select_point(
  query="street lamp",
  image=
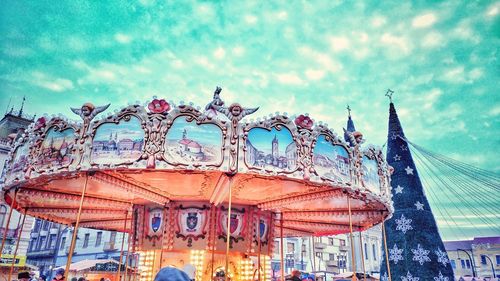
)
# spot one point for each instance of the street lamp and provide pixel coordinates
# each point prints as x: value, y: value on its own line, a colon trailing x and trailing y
x: 491, y: 262
x: 470, y: 259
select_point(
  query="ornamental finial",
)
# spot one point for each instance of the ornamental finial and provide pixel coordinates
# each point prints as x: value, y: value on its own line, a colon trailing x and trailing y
x: 389, y: 94
x: 348, y: 110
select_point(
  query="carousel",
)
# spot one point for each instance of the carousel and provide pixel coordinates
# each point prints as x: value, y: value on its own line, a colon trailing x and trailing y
x: 197, y: 187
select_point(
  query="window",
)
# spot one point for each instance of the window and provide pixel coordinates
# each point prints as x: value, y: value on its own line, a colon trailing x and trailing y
x: 330, y: 241
x: 86, y: 240
x: 331, y: 257
x: 462, y: 262
x: 37, y: 225
x: 453, y: 264
x: 467, y: 263
x: 45, y: 225
x: 342, y: 242
x: 366, y: 252
x: 483, y: 259
x: 498, y: 259
x: 3, y: 213
x: 112, y: 237
x: 52, y: 241
x: 32, y: 244
x: 98, y: 239
x: 63, y: 243
x: 290, y: 247
x: 41, y: 242
x: 374, y: 251
x: 319, y: 255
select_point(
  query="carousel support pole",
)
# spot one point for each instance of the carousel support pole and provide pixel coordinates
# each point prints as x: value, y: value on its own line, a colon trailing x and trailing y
x: 75, y: 230
x: 12, y: 203
x: 260, y: 247
x: 17, y: 244
x: 386, y: 252
x: 117, y: 277
x: 354, y: 278
x: 228, y: 236
x: 362, y: 256
x: 214, y: 233
x: 282, y: 260
x: 311, y: 244
x: 128, y: 251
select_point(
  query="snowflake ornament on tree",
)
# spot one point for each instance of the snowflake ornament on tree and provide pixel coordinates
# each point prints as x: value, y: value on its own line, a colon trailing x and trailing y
x: 441, y: 278
x: 403, y: 224
x: 442, y: 257
x: 395, y: 254
x: 409, y: 277
x: 420, y: 255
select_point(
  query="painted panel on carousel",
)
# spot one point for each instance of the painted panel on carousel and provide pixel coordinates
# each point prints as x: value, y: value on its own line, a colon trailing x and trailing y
x: 274, y: 149
x: 261, y: 226
x: 154, y: 217
x: 236, y: 225
x: 191, y: 223
x: 331, y: 161
x: 371, y: 178
x: 57, y: 148
x: 188, y: 143
x: 118, y: 143
x: 20, y: 161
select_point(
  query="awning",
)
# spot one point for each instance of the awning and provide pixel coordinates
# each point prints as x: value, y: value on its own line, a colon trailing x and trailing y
x: 86, y: 264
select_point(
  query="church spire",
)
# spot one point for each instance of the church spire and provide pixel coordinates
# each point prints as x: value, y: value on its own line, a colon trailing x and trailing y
x: 22, y: 107
x: 416, y: 251
x: 350, y: 125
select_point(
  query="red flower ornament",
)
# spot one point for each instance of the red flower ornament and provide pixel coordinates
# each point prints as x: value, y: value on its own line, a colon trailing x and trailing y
x: 40, y: 123
x: 304, y: 122
x: 158, y: 106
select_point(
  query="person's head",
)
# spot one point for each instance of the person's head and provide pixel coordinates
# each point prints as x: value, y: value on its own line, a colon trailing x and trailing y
x: 74, y: 279
x: 102, y: 279
x: 42, y: 277
x: 81, y: 279
x: 23, y: 276
x: 296, y: 272
x: 171, y: 274
x: 59, y: 274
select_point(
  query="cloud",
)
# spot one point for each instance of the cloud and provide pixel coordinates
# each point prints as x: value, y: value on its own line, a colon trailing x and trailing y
x: 122, y: 38
x: 238, y: 51
x: 219, y: 53
x: 423, y: 21
x: 314, y: 74
x: 339, y: 43
x: 432, y: 39
x: 51, y: 83
x: 250, y: 19
x: 322, y: 59
x: 454, y: 75
x: 493, y: 10
x: 475, y: 74
x: 289, y: 79
x: 398, y: 42
x: 378, y: 21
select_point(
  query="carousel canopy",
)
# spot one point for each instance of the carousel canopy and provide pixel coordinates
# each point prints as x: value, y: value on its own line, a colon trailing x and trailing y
x: 162, y: 152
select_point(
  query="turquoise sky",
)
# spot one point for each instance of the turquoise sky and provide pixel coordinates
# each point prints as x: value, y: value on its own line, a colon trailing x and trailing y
x: 441, y: 59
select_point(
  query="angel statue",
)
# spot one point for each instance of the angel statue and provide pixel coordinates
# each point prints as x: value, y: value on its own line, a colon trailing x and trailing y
x: 216, y: 101
x: 88, y: 111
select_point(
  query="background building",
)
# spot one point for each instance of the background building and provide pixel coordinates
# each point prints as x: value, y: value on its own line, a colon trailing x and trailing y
x: 481, y: 254
x: 372, y: 250
x: 11, y: 126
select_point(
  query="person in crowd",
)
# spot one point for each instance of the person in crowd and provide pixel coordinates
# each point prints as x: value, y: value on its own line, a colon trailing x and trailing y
x: 81, y: 279
x: 59, y: 275
x: 102, y: 279
x: 295, y: 275
x: 42, y: 278
x: 74, y: 279
x: 23, y: 276
x: 171, y: 274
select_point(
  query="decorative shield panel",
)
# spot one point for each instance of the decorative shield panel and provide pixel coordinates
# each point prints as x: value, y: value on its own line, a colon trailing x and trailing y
x: 236, y: 223
x: 118, y: 143
x: 188, y: 143
x: 261, y: 226
x: 371, y: 178
x: 57, y: 148
x: 154, y: 223
x: 331, y: 161
x: 191, y: 223
x: 274, y: 149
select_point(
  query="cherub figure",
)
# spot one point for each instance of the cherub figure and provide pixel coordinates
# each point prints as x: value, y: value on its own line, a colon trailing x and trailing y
x: 88, y: 111
x: 235, y: 112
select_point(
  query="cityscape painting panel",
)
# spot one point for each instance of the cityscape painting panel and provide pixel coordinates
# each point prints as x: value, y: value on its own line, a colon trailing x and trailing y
x: 274, y: 149
x: 20, y: 159
x: 331, y: 161
x: 371, y: 178
x: 188, y: 143
x: 118, y: 143
x: 57, y: 148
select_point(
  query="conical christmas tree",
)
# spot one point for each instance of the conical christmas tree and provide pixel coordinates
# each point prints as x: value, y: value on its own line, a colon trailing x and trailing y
x: 416, y: 251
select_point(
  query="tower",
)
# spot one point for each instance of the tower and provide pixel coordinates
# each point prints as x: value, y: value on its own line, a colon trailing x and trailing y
x: 416, y: 251
x: 184, y: 134
x: 275, y: 151
x: 350, y: 126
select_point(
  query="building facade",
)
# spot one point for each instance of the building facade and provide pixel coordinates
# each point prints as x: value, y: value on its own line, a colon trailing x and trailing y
x: 50, y: 243
x: 479, y: 256
x: 12, y: 125
x: 369, y: 253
